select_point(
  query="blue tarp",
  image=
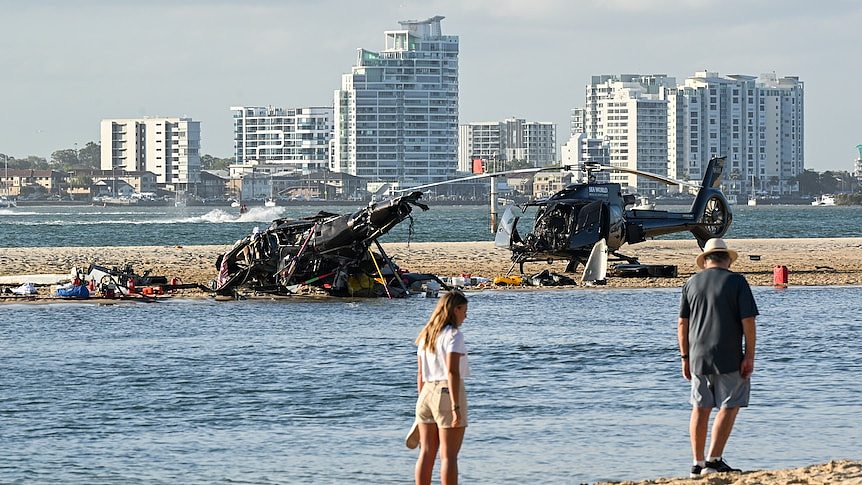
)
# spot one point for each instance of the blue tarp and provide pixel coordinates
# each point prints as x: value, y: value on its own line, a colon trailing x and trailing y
x: 74, y: 291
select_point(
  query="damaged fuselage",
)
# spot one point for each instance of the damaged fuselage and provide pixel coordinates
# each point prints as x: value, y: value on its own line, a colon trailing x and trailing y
x: 328, y: 251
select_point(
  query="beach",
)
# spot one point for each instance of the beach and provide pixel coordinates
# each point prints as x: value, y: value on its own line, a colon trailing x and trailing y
x: 838, y: 471
x: 809, y: 261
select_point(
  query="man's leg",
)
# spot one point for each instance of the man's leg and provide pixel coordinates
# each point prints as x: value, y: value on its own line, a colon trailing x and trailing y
x: 721, y: 429
x: 697, y: 429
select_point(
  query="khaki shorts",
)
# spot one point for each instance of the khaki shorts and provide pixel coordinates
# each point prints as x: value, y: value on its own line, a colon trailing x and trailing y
x: 435, y: 406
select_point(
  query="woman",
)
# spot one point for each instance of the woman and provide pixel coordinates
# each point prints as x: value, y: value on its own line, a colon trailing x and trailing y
x: 441, y: 409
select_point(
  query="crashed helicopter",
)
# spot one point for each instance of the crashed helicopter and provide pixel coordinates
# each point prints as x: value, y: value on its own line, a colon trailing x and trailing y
x: 587, y: 222
x: 326, y: 251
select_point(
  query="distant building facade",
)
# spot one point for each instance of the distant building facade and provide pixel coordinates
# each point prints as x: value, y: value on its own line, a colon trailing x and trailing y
x: 581, y: 150
x: 758, y: 124
x: 510, y: 140
x: 167, y: 147
x: 630, y: 112
x: 297, y: 138
x: 396, y: 114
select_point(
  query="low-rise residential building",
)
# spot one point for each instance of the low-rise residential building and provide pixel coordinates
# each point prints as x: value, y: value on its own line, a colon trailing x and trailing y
x: 546, y: 184
x: 19, y: 182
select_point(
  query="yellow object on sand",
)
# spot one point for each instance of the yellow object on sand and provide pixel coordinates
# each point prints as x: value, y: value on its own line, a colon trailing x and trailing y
x: 508, y: 280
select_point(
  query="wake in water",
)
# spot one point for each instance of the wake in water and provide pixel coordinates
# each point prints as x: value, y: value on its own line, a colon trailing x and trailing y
x: 255, y: 214
x: 215, y: 216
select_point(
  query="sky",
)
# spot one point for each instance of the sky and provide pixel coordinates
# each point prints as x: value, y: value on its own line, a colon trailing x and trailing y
x: 67, y: 64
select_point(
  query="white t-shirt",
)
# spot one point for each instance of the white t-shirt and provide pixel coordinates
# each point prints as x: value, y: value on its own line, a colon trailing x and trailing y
x: 434, y: 366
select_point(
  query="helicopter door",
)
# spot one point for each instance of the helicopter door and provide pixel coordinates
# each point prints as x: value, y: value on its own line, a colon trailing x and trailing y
x: 591, y: 226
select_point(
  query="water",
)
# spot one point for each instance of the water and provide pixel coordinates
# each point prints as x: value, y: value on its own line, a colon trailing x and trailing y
x: 154, y: 226
x: 567, y: 386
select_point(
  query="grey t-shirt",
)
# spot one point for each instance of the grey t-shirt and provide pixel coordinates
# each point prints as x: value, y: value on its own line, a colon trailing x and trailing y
x: 715, y: 301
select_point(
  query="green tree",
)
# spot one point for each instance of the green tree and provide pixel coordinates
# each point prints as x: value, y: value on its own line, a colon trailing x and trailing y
x: 209, y: 162
x: 64, y: 159
x: 90, y: 156
x: 809, y: 182
x: 84, y: 182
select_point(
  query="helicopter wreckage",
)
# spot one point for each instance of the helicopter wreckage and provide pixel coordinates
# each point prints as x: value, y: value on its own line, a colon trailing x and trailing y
x: 326, y: 252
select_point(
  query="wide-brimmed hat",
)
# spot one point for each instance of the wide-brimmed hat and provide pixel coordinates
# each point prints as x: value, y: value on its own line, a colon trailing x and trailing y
x: 715, y: 245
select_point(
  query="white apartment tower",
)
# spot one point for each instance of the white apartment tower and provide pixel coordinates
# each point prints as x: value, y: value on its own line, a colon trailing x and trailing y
x: 630, y: 112
x: 531, y: 142
x: 295, y: 138
x: 757, y: 125
x: 396, y: 114
x: 167, y: 147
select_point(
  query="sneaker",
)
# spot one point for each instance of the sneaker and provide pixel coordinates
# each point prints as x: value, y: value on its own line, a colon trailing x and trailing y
x: 696, y: 470
x: 717, y: 466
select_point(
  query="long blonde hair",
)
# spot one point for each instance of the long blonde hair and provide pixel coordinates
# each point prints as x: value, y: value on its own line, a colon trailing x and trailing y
x: 443, y: 314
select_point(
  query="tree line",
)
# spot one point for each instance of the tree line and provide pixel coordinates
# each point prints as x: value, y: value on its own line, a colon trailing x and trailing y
x: 89, y: 157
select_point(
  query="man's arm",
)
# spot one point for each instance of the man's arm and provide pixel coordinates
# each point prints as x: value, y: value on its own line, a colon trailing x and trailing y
x: 682, y: 337
x: 750, y: 332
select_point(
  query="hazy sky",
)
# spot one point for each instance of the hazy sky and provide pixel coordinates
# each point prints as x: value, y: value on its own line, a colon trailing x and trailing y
x: 67, y: 64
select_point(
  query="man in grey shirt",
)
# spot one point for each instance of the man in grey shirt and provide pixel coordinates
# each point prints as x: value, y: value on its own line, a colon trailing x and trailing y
x: 716, y: 332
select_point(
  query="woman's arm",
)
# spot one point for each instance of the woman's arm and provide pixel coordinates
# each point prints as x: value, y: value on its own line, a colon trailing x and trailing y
x: 453, y: 363
x: 419, y: 381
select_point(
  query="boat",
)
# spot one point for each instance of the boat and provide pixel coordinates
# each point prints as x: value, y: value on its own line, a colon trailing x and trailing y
x: 235, y: 204
x: 270, y: 201
x: 752, y: 200
x: 824, y: 200
x: 643, y: 203
x: 7, y: 203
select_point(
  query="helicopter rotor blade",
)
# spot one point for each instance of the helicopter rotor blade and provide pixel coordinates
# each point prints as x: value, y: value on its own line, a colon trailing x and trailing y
x: 482, y: 176
x: 659, y: 178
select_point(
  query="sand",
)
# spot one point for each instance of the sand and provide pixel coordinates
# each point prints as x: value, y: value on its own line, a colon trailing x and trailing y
x: 833, y: 261
x: 835, y: 472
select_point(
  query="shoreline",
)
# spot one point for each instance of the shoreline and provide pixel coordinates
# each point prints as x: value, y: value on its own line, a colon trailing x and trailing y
x: 848, y: 472
x: 810, y: 261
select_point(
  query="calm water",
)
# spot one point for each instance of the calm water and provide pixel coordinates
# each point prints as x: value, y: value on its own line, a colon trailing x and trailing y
x: 123, y: 226
x: 568, y: 386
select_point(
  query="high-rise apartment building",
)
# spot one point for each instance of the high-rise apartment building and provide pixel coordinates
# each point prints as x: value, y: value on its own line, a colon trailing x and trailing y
x: 167, y: 147
x: 581, y: 150
x: 630, y: 112
x: 295, y: 138
x: 396, y: 114
x: 531, y: 142
x: 757, y: 124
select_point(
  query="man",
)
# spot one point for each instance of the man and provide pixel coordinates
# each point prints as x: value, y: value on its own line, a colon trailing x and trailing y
x: 716, y: 342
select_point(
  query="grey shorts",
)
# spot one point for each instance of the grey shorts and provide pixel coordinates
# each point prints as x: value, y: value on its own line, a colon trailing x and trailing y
x: 720, y: 390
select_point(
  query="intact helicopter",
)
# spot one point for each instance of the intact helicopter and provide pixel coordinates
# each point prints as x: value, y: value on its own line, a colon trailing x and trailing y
x: 587, y: 222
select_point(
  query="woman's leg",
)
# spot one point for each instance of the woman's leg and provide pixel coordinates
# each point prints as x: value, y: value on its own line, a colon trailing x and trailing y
x: 429, y: 442
x: 450, y: 445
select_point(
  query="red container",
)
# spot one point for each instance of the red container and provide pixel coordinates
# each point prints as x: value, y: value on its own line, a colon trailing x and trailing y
x: 779, y: 276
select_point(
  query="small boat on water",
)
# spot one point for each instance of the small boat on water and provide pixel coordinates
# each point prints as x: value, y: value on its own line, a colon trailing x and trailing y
x: 752, y: 201
x: 7, y: 203
x: 269, y: 202
x: 824, y: 200
x: 643, y: 203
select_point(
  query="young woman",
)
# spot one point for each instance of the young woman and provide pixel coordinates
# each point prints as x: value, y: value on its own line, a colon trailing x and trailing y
x: 441, y: 409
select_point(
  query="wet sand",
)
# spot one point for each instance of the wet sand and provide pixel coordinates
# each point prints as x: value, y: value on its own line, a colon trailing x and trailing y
x: 809, y: 261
